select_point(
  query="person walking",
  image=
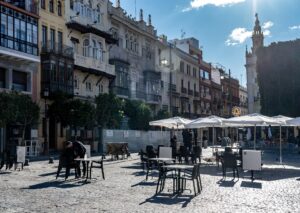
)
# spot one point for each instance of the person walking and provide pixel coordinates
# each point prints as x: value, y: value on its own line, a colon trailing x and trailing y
x: 174, y: 145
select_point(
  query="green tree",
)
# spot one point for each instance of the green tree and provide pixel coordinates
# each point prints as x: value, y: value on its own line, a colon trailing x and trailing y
x: 109, y: 110
x: 162, y: 114
x: 26, y: 111
x: 139, y: 115
x: 78, y: 113
x: 7, y: 109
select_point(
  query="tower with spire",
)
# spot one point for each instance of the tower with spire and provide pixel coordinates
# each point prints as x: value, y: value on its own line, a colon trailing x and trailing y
x: 251, y: 59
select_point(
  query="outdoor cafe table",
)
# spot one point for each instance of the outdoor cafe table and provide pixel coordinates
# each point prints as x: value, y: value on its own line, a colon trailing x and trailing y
x: 161, y: 159
x: 88, y: 161
x: 178, y: 168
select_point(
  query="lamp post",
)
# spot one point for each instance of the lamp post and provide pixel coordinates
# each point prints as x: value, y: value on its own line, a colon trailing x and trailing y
x: 46, y: 143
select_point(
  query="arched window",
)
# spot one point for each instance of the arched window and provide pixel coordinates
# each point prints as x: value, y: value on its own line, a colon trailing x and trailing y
x: 95, y: 49
x: 43, y: 4
x: 86, y: 48
x: 59, y: 8
x: 51, y: 6
x: 100, y: 52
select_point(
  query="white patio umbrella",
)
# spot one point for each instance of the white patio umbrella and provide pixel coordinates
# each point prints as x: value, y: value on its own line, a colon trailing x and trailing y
x: 171, y: 123
x: 211, y: 121
x: 255, y: 119
x: 174, y: 122
x: 284, y: 122
x: 294, y: 122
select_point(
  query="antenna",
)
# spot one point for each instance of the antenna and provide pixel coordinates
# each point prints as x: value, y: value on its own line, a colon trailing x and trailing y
x: 182, y: 34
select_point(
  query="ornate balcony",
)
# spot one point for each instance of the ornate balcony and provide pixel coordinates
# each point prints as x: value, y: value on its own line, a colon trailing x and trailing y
x: 94, y: 66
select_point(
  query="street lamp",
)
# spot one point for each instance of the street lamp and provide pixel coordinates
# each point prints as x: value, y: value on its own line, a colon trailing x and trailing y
x: 46, y: 143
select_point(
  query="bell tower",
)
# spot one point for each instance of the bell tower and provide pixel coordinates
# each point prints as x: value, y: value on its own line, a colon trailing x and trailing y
x: 257, y: 36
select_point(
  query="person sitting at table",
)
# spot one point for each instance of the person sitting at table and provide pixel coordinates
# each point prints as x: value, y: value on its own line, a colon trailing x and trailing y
x: 79, y: 151
x: 66, y: 159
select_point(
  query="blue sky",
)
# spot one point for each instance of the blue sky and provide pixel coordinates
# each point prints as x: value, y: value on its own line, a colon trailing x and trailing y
x: 223, y: 27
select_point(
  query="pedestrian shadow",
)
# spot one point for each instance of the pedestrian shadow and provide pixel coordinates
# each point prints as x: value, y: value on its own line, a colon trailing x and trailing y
x: 56, y: 184
x: 249, y: 184
x: 141, y: 173
x: 169, y: 199
x: 48, y: 174
x: 145, y: 183
x: 298, y: 179
x: 4, y: 173
x: 227, y: 183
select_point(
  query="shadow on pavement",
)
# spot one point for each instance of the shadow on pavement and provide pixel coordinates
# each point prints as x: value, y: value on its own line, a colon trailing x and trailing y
x: 57, y: 184
x: 169, y: 199
x: 145, y: 183
x: 250, y: 184
x: 227, y: 183
x: 47, y: 174
x: 4, y: 173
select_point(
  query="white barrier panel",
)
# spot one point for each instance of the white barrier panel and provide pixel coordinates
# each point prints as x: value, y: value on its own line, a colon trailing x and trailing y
x: 252, y: 160
x: 88, y: 150
x: 21, y: 152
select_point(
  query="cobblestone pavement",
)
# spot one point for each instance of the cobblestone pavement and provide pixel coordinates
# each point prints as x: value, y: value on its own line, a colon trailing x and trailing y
x: 125, y: 190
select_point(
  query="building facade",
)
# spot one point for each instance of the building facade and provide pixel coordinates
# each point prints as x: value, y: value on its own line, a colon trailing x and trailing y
x: 243, y: 100
x: 188, y: 93
x: 230, y: 93
x: 252, y: 83
x: 216, y: 92
x: 88, y: 34
x: 134, y: 57
x: 19, y: 55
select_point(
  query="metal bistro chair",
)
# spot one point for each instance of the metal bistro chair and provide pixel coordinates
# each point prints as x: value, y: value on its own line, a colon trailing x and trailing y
x: 165, y: 174
x: 229, y: 161
x: 99, y: 165
x: 195, y: 177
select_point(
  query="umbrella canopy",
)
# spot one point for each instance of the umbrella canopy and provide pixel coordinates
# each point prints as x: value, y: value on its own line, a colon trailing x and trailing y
x: 211, y: 121
x: 294, y: 122
x: 174, y: 122
x: 255, y: 119
x: 283, y: 119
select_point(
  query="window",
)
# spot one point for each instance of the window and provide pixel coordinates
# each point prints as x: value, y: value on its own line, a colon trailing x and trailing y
x: 195, y: 88
x: 101, y: 88
x: 71, y: 4
x: 188, y: 69
x: 181, y: 66
x: 95, y: 50
x: 44, y: 36
x: 100, y: 52
x: 51, y: 6
x: 88, y: 86
x: 86, y: 48
x: 52, y: 39
x: 59, y: 8
x: 43, y: 4
x: 19, y: 81
x: 194, y: 72
x: 188, y: 85
x: 18, y: 31
x: 182, y: 85
x: 76, y: 85
x: 59, y: 40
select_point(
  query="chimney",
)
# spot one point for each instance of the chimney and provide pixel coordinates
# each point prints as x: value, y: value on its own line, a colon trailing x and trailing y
x: 149, y: 20
x: 141, y: 15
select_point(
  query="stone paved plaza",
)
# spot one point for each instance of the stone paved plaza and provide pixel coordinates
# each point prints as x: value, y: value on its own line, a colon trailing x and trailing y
x: 125, y: 190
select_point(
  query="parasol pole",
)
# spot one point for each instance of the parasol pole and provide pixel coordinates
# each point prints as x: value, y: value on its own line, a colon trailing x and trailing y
x: 280, y: 146
x: 254, y: 146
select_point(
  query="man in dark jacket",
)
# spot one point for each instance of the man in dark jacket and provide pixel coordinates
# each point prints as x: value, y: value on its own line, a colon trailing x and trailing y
x: 79, y: 151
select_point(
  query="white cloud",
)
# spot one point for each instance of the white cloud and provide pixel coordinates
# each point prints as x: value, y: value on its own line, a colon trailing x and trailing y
x: 296, y: 27
x: 195, y: 4
x: 238, y: 36
x: 267, y: 25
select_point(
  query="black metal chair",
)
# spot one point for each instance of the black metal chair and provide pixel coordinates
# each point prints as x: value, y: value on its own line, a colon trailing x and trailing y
x: 165, y: 174
x: 194, y: 176
x: 229, y: 161
x: 97, y: 164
